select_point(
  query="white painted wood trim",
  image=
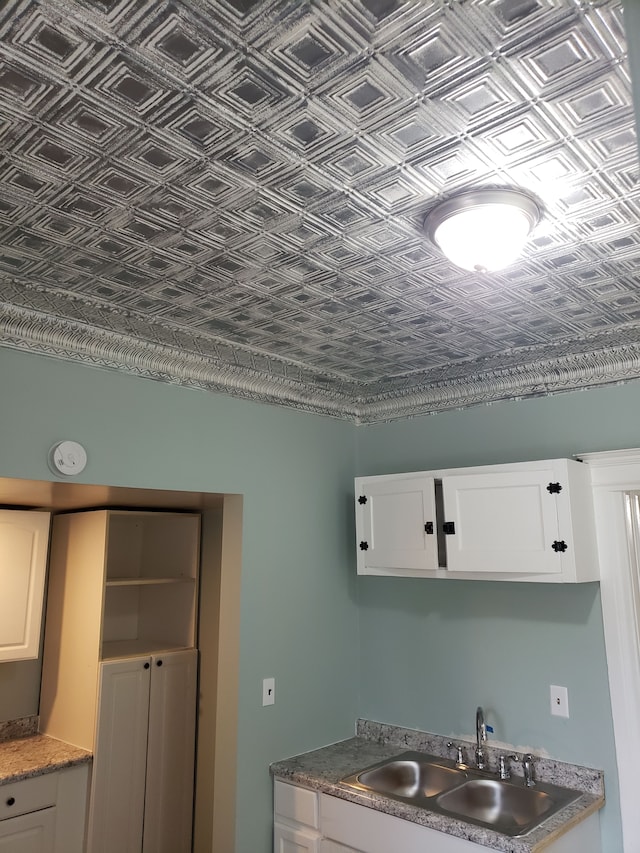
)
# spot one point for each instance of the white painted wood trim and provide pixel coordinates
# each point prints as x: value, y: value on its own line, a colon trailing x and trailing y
x: 614, y: 476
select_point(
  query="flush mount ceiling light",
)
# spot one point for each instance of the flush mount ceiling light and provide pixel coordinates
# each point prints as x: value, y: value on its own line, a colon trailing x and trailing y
x: 483, y: 230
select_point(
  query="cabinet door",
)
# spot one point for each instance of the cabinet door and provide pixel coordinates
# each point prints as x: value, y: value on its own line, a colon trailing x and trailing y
x: 503, y: 522
x: 119, y: 765
x: 29, y: 833
x: 287, y: 839
x: 24, y: 542
x: 396, y: 524
x: 168, y: 812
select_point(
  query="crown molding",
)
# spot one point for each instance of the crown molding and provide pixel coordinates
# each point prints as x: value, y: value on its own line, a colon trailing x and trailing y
x: 66, y: 339
x: 405, y: 397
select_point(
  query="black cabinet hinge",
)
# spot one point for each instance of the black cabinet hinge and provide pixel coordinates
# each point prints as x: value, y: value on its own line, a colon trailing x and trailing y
x: 449, y: 527
x: 554, y: 488
x: 364, y: 546
x: 428, y: 527
x: 560, y: 546
x: 362, y: 500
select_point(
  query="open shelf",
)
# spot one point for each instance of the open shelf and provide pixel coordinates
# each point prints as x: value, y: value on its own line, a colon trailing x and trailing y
x: 136, y: 648
x: 152, y: 545
x: 154, y: 613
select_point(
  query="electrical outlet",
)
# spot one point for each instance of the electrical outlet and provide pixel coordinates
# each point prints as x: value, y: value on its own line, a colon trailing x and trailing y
x: 559, y: 701
x: 268, y: 691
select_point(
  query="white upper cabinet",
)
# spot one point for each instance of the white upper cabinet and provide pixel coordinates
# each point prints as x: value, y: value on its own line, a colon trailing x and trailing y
x: 24, y: 542
x: 531, y: 521
x: 396, y: 522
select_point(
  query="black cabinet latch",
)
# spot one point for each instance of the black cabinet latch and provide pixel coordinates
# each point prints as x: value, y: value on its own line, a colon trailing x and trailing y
x: 449, y: 527
x: 554, y: 488
x: 428, y: 527
x: 364, y: 546
x: 560, y: 546
x: 362, y: 500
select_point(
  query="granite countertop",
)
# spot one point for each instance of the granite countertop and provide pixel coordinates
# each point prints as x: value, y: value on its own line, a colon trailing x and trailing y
x: 25, y: 753
x: 322, y: 770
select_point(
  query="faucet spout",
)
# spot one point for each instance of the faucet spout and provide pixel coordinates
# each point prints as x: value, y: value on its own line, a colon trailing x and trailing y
x: 481, y: 737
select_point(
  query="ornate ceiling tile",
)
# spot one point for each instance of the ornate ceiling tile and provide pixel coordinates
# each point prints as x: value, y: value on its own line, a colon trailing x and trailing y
x: 230, y: 194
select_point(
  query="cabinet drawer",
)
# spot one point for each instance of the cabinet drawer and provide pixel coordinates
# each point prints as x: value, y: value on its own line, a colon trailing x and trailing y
x: 296, y: 804
x: 28, y: 795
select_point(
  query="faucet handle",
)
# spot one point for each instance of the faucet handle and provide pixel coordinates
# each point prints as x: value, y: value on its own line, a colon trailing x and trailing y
x: 460, y: 762
x: 503, y: 770
x: 527, y: 768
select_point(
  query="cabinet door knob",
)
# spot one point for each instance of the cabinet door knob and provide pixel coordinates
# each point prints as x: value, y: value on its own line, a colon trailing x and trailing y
x: 11, y: 801
x: 147, y: 665
x: 159, y: 663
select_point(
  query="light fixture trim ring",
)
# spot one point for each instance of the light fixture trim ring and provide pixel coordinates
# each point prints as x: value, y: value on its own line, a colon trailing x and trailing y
x: 473, y: 199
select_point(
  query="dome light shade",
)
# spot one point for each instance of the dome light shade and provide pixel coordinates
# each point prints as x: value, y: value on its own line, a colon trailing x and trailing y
x: 483, y: 230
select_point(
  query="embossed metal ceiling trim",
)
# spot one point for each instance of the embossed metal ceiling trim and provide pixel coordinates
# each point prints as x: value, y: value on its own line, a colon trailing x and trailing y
x: 230, y: 194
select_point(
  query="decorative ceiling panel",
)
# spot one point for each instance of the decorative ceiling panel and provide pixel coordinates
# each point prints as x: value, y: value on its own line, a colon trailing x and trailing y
x: 231, y: 194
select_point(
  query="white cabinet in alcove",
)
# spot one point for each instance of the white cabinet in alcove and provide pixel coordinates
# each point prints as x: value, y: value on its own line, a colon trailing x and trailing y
x: 24, y: 541
x: 119, y: 669
x: 526, y: 521
x: 142, y: 796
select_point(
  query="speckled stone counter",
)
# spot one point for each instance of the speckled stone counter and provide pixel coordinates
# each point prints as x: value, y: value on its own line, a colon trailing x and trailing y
x: 23, y: 757
x: 322, y: 770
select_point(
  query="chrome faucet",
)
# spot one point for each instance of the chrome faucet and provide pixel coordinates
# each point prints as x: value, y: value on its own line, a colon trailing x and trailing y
x: 481, y: 737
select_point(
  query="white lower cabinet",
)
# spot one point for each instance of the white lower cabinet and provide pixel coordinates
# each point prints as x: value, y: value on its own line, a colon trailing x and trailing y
x: 30, y: 833
x: 295, y: 828
x: 45, y: 814
x: 369, y: 831
x: 142, y: 794
x: 289, y: 839
x: 338, y: 826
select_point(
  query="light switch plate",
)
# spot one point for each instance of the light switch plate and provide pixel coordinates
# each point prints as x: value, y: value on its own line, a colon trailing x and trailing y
x: 268, y: 691
x: 559, y: 701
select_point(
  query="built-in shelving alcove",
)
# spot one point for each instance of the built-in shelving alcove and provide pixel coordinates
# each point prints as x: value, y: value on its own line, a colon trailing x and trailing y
x: 219, y: 607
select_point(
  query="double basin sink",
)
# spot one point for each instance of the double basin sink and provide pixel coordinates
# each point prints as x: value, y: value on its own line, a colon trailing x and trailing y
x: 434, y: 783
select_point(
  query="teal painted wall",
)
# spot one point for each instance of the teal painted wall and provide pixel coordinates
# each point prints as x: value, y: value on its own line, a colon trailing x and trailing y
x: 431, y: 650
x: 410, y: 652
x: 298, y: 613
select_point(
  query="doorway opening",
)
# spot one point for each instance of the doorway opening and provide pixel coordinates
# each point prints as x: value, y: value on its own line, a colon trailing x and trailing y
x: 218, y: 631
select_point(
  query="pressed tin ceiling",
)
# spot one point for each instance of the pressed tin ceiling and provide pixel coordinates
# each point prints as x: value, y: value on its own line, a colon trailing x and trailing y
x: 231, y: 195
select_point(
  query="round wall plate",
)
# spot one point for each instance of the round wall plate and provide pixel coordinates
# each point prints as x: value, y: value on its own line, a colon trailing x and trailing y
x: 68, y: 458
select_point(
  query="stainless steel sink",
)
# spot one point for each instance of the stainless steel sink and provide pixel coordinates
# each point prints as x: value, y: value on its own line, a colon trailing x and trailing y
x: 507, y: 807
x: 410, y: 778
x: 436, y: 784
